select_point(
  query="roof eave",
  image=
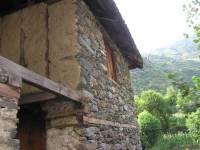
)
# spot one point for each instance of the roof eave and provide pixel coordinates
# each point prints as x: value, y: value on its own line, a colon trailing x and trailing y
x: 109, y: 16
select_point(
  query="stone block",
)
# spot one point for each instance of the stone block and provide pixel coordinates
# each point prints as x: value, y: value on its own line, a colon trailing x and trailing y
x: 7, y: 124
x: 10, y: 39
x: 62, y: 26
x: 64, y: 122
x: 66, y: 72
x: 59, y: 108
x: 62, y: 139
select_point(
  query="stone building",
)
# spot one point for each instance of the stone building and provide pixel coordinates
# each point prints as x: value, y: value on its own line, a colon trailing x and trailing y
x: 64, y: 76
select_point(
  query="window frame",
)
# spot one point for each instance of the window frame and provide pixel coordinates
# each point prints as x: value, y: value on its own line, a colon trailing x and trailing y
x: 111, y: 68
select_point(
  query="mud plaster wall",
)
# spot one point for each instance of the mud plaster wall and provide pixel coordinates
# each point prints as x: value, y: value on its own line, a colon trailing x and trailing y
x: 42, y: 38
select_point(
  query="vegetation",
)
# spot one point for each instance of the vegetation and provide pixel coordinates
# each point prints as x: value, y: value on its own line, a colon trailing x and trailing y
x: 178, y: 141
x: 180, y: 59
x: 174, y: 111
x: 150, y: 128
x: 193, y: 124
x: 169, y: 121
x: 169, y: 118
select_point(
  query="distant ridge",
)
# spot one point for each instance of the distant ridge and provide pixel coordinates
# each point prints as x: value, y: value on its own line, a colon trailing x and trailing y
x: 181, y: 57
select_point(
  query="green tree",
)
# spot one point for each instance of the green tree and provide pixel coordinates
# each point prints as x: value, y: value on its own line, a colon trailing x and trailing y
x: 193, y: 124
x: 188, y: 100
x: 192, y: 9
x: 170, y: 100
x: 157, y: 105
x: 150, y: 129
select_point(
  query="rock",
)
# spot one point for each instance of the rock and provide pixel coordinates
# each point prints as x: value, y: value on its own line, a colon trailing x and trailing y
x: 104, y: 146
x: 94, y: 108
x: 91, y: 131
x: 117, y: 147
x: 125, y: 107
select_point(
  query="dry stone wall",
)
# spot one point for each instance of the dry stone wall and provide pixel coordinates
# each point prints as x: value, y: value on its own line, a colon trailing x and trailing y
x: 8, y: 113
x: 8, y: 124
x: 64, y: 41
x: 112, y: 100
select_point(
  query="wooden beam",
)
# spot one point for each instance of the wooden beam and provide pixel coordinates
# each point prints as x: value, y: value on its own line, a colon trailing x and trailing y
x: 89, y: 120
x: 9, y: 91
x: 39, y: 81
x: 36, y: 97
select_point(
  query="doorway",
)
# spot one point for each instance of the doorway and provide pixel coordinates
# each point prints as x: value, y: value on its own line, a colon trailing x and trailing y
x: 31, y: 127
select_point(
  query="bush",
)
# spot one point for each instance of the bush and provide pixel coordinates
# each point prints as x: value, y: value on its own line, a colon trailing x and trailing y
x: 177, y: 123
x: 150, y: 129
x: 193, y: 124
x: 153, y: 102
x: 177, y: 141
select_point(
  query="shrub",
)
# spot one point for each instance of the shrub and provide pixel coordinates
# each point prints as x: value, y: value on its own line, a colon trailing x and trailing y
x: 150, y: 129
x: 193, y: 124
x: 177, y: 141
x: 154, y: 103
x: 177, y: 123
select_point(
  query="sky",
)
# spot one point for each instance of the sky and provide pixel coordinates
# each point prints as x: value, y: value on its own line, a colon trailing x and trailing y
x: 154, y: 23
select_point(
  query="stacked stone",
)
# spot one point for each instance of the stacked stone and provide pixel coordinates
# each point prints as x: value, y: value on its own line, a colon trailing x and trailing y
x: 9, y: 95
x: 8, y: 124
x: 63, y: 128
x: 112, y: 100
x: 66, y: 44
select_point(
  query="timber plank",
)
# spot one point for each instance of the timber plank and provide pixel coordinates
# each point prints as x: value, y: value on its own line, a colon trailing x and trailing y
x: 36, y: 97
x: 37, y: 80
x: 90, y: 120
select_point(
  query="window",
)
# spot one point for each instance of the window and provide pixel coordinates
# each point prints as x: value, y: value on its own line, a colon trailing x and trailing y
x: 110, y: 62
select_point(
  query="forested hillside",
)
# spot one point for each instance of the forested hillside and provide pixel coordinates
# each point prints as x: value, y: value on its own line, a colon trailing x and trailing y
x: 180, y: 59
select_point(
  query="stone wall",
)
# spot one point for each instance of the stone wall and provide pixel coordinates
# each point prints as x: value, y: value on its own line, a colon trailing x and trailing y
x: 8, y: 124
x: 9, y: 96
x: 66, y: 45
x: 63, y: 130
x: 112, y: 100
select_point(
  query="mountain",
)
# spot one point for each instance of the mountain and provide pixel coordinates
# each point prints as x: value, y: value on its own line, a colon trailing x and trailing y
x: 180, y: 58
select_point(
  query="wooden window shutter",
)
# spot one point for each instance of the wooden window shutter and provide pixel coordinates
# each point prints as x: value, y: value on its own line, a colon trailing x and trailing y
x: 110, y: 62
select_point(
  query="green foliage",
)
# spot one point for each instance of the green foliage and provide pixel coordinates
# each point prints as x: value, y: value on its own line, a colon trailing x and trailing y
x: 177, y: 141
x: 158, y: 105
x: 153, y: 102
x: 139, y: 105
x: 196, y: 80
x: 171, y: 75
x: 193, y: 124
x: 150, y: 129
x: 177, y: 123
x: 191, y: 7
x: 167, y: 66
x: 170, y: 100
x: 172, y: 110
